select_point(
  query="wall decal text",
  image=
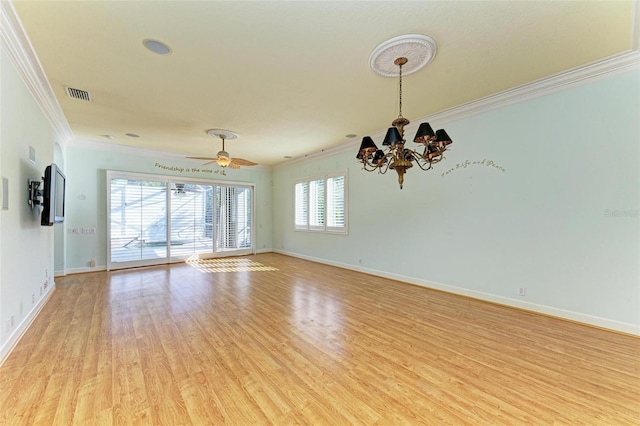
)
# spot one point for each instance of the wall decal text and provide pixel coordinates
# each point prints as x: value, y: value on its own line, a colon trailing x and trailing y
x: 467, y: 163
x: 190, y: 169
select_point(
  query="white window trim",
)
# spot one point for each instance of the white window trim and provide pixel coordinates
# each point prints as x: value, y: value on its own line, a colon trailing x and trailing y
x: 324, y: 229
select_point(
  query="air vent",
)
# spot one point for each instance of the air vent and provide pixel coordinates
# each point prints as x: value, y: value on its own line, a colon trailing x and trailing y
x: 82, y: 95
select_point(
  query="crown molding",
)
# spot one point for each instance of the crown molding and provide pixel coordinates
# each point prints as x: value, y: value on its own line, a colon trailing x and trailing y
x: 18, y: 47
x: 604, y: 68
x: 614, y: 65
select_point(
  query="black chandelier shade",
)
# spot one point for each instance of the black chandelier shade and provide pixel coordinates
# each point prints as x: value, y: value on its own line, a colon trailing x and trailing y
x: 399, y: 158
x: 424, y: 134
x: 379, y: 158
x: 392, y: 137
x: 367, y: 147
x: 443, y: 138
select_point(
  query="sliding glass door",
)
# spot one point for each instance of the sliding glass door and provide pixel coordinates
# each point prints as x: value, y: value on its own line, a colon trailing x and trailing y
x: 155, y: 219
x: 233, y: 218
x: 191, y: 220
x: 138, y: 214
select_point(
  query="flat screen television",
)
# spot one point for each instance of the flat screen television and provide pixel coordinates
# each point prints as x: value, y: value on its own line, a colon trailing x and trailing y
x: 53, y: 196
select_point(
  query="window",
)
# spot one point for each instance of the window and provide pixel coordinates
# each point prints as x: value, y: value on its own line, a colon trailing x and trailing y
x: 320, y: 204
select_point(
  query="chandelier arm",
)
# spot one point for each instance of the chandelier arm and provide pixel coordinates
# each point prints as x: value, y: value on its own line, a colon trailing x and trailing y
x: 442, y: 157
x: 414, y: 154
x: 419, y: 163
x: 368, y: 166
x: 419, y: 160
x: 383, y: 169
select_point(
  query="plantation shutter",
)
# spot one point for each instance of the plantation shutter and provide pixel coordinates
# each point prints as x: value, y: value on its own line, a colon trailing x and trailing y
x: 316, y: 204
x: 335, y: 203
x: 302, y: 205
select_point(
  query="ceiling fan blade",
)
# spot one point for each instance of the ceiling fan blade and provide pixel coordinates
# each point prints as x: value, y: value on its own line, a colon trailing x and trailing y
x: 243, y: 162
x: 232, y: 165
x: 203, y: 158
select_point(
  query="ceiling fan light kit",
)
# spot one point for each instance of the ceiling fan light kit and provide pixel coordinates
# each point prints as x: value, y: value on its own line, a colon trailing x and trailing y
x: 413, y: 52
x: 223, y: 159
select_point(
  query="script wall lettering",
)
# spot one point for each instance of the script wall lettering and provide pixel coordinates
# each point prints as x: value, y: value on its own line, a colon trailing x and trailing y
x: 468, y: 163
x: 190, y: 169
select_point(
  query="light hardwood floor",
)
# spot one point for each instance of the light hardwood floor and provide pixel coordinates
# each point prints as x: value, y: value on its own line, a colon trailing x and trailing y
x: 294, y: 342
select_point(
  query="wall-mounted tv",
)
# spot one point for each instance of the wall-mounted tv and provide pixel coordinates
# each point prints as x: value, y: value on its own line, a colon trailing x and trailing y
x: 53, y: 196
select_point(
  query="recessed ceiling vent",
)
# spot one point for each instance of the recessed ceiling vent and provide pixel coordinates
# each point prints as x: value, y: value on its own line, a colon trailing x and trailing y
x: 82, y: 95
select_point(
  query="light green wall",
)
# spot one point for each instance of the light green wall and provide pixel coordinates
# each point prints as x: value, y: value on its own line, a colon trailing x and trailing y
x: 26, y: 248
x: 86, y: 194
x: 560, y: 220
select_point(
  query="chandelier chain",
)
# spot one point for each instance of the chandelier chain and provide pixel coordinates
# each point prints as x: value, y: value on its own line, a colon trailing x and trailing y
x: 400, y: 112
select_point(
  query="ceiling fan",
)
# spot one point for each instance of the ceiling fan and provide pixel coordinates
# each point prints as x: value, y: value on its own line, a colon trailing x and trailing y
x: 222, y: 159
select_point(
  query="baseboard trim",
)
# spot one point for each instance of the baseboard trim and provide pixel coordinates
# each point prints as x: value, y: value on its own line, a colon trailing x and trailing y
x: 98, y: 268
x: 578, y: 317
x: 17, y: 334
x: 84, y: 270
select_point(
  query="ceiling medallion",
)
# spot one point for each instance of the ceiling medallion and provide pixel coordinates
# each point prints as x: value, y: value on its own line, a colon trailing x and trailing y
x: 222, y: 134
x: 397, y: 157
x: 419, y: 50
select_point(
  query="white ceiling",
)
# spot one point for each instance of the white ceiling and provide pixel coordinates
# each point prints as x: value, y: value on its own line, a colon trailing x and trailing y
x: 292, y: 78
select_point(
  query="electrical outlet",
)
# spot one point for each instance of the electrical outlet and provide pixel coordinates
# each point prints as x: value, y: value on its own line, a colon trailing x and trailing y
x: 46, y: 284
x: 40, y: 290
x: 522, y: 291
x: 33, y: 298
x: 12, y: 321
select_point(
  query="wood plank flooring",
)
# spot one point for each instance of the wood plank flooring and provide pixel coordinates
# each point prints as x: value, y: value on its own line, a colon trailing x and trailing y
x: 270, y: 339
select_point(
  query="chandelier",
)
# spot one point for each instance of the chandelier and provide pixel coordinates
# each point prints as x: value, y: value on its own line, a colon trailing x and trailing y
x: 395, y: 156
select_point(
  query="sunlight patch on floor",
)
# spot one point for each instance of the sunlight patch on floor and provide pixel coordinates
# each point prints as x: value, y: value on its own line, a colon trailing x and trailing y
x: 229, y: 265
